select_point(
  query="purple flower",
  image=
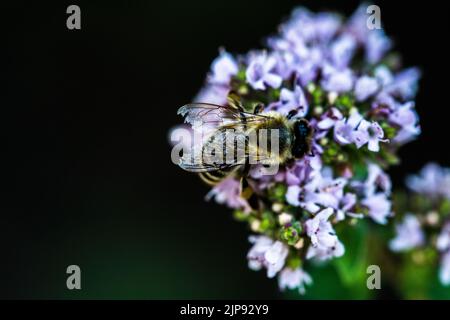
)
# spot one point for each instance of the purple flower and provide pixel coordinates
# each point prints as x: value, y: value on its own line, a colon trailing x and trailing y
x: 406, y: 134
x: 261, y: 71
x: 324, y: 242
x: 327, y: 25
x: 223, y: 68
x: 359, y: 131
x: 294, y: 278
x: 267, y: 253
x: 344, y: 129
x: 290, y: 100
x: 228, y: 192
x: 409, y: 234
x: 323, y: 253
x: 383, y: 75
x: 404, y: 115
x: 365, y: 87
x: 443, y: 241
x: 379, y: 207
x: 404, y: 84
x: 357, y: 23
x: 320, y: 190
x: 324, y: 191
x: 302, y: 170
x: 444, y: 271
x: 342, y: 51
x: 377, y: 180
x: 432, y: 181
x: 310, y: 27
x: 406, y: 118
x: 306, y: 72
x: 293, y: 195
x: 285, y: 63
x: 215, y: 94
x: 386, y: 101
x: 329, y: 119
x: 370, y: 133
x: 346, y: 203
x: 377, y: 44
x: 443, y: 245
x: 337, y: 80
x: 256, y: 254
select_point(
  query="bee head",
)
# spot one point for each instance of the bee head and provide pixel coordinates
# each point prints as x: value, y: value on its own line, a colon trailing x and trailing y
x: 302, y: 135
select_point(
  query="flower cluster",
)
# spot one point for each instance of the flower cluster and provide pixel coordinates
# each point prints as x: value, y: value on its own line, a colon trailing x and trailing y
x: 426, y: 223
x: 343, y: 78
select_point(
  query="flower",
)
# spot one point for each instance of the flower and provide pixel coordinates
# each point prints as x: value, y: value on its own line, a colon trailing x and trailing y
x: 379, y: 207
x: 333, y: 73
x: 404, y: 84
x: 302, y: 170
x: 323, y: 190
x: 267, y: 253
x: 370, y: 133
x: 294, y: 278
x: 443, y: 245
x: 377, y: 44
x: 342, y: 50
x: 376, y: 180
x: 345, y: 130
x: 223, y: 68
x: 359, y: 131
x: 443, y: 241
x: 433, y: 181
x: 214, y: 94
x: 329, y: 119
x: 346, y: 203
x: 429, y: 226
x: 409, y: 234
x: 260, y: 72
x: 228, y: 192
x: 444, y: 271
x: 365, y: 87
x: 407, y: 120
x: 290, y: 100
x: 324, y: 242
x: 293, y: 195
x: 337, y: 80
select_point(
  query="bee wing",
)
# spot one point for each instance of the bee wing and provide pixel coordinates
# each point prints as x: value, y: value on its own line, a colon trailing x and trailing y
x: 216, y: 124
x: 216, y: 152
x: 206, y: 117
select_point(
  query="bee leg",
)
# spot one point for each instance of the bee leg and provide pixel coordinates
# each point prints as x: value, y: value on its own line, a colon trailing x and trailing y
x: 290, y: 163
x: 292, y: 114
x: 246, y: 190
x: 258, y: 108
x: 311, y: 153
x: 209, y: 178
x: 250, y: 196
x: 234, y: 100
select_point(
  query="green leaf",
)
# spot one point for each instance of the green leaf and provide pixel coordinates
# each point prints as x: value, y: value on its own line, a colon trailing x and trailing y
x: 352, y: 266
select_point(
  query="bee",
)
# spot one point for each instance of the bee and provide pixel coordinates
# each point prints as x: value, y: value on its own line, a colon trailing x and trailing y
x: 218, y: 123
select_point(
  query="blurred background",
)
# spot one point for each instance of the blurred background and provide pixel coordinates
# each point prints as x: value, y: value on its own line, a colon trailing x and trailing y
x: 87, y: 177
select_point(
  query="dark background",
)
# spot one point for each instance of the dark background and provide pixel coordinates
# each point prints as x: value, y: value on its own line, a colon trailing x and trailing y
x: 87, y: 177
